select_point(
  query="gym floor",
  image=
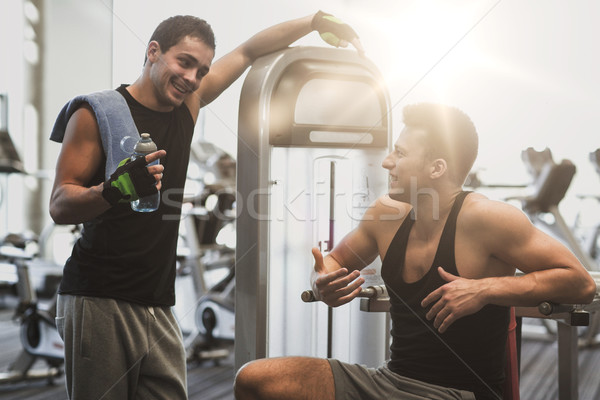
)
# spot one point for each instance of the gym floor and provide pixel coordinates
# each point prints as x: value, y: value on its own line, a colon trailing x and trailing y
x: 205, y: 382
x: 539, y: 372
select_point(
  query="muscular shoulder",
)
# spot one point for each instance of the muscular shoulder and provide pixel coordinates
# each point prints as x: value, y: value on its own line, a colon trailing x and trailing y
x: 384, y: 209
x: 383, y: 217
x: 81, y: 153
x: 492, y: 220
x: 373, y: 235
x: 82, y: 125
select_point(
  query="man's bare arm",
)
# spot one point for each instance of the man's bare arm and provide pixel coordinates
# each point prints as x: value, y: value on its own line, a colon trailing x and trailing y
x: 552, y: 272
x: 336, y: 279
x: 73, y: 200
x: 80, y: 157
x: 230, y: 67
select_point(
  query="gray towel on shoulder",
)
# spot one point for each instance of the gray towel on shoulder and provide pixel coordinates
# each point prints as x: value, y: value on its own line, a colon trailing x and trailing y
x: 114, y: 121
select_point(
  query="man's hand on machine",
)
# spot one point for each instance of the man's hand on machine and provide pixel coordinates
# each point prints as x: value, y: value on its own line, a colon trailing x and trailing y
x: 134, y: 179
x: 335, y: 32
x: 457, y: 298
x: 334, y: 288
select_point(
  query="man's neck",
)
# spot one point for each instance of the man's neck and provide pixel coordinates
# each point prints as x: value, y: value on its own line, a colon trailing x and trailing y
x: 143, y: 92
x: 432, y: 209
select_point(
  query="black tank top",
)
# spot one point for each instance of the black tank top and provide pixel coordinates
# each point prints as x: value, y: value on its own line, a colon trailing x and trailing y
x: 470, y: 355
x: 128, y: 255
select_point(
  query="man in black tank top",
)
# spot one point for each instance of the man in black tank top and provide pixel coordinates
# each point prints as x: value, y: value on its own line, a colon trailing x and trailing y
x: 448, y: 261
x: 121, y: 339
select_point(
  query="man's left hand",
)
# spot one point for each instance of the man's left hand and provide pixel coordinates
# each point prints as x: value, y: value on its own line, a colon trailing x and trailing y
x: 456, y: 299
x: 335, y: 32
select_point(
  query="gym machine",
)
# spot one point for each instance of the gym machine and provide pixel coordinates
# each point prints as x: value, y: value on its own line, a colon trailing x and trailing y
x: 568, y: 317
x: 38, y: 333
x: 590, y: 239
x: 313, y: 129
x: 205, y: 281
x: 550, y: 184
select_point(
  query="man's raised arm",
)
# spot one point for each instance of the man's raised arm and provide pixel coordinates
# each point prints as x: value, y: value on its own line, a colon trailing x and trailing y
x: 231, y: 66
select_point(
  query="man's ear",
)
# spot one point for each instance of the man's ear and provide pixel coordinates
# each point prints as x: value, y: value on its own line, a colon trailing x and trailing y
x: 438, y: 168
x: 152, y: 51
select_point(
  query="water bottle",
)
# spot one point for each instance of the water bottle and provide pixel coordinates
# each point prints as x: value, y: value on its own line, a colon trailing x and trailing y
x: 145, y: 146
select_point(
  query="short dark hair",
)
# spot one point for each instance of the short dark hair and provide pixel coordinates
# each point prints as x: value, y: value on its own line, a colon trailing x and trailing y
x: 169, y: 32
x: 450, y: 134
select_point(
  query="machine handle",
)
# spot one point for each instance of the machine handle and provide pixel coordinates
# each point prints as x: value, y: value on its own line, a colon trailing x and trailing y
x: 308, y: 296
x: 576, y: 316
x: 547, y: 308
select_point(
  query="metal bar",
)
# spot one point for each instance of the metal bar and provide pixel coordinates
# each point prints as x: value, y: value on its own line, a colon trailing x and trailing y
x: 329, y: 248
x: 567, y: 362
x: 548, y: 308
x: 330, y: 241
x: 329, y: 332
x: 308, y: 296
x: 25, y: 290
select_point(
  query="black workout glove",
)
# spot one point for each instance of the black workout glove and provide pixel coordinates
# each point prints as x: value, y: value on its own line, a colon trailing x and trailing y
x: 130, y: 181
x: 332, y: 29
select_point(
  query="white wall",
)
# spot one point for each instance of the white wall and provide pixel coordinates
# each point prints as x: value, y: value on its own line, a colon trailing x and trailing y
x: 78, y: 51
x: 78, y: 60
x: 76, y: 55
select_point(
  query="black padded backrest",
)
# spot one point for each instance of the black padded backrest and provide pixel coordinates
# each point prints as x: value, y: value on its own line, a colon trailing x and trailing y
x: 551, y: 185
x: 595, y: 159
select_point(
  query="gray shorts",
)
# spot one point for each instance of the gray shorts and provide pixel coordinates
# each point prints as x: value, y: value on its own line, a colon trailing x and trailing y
x: 357, y: 382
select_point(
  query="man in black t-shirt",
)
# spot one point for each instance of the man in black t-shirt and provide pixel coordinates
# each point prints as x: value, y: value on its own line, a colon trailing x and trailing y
x: 121, y: 339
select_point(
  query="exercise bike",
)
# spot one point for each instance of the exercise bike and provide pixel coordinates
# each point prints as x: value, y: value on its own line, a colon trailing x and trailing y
x: 204, y: 259
x: 38, y: 333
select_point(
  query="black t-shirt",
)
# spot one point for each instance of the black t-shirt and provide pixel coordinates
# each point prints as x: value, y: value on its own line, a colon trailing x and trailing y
x: 470, y: 355
x: 127, y: 255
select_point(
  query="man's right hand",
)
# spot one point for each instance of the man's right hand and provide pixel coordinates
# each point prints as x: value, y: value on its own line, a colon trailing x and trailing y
x: 334, y: 288
x: 134, y: 179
